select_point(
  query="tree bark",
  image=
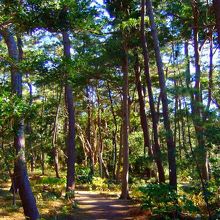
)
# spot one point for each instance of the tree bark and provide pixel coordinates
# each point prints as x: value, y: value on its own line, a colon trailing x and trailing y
x: 100, y: 142
x: 143, y: 117
x: 21, y: 180
x: 125, y: 172
x: 210, y: 85
x: 88, y: 132
x: 114, y: 134
x: 197, y: 113
x: 119, y: 157
x: 54, y: 138
x: 169, y: 135
x: 70, y: 185
x: 156, y: 145
x: 28, y: 126
x: 29, y: 130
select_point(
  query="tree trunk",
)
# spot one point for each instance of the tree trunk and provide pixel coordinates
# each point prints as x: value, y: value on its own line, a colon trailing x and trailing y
x: 29, y: 130
x: 114, y: 134
x: 28, y: 126
x: 194, y: 108
x: 210, y: 85
x: 100, y: 142
x: 119, y: 158
x: 169, y: 134
x: 197, y: 99
x: 70, y: 185
x: 54, y: 138
x: 21, y: 180
x: 156, y: 146
x: 216, y: 6
x: 125, y: 172
x: 88, y: 132
x: 143, y: 117
x: 42, y: 162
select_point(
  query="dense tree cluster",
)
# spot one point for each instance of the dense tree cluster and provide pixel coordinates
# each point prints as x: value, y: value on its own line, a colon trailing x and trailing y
x: 125, y: 88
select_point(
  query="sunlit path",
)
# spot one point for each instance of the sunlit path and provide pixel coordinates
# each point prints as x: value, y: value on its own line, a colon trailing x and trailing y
x: 92, y: 205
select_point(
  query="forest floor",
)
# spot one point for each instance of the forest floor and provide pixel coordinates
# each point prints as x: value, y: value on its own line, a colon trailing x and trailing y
x: 88, y: 205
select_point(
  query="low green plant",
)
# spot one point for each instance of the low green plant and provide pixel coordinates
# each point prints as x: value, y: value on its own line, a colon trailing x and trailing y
x: 159, y: 198
x: 83, y: 175
x: 70, y: 194
x: 163, y: 200
x: 51, y: 187
x: 50, y: 195
x: 135, y: 187
x: 99, y: 183
x: 52, y: 180
x: 65, y: 210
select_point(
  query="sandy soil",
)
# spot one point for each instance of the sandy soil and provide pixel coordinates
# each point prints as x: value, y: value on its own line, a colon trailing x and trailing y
x: 92, y: 205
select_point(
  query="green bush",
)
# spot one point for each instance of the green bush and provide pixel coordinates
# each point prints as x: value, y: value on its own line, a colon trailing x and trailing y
x: 83, y: 175
x: 52, y: 181
x: 99, y: 183
x: 159, y: 198
x: 163, y: 200
x: 51, y: 187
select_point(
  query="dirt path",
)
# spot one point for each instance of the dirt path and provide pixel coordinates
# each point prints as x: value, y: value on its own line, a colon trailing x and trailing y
x: 92, y: 205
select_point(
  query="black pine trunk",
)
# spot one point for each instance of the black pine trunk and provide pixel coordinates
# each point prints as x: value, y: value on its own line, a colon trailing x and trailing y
x: 143, y: 117
x: 125, y: 113
x: 169, y: 134
x: 70, y: 185
x: 156, y: 146
x: 21, y: 180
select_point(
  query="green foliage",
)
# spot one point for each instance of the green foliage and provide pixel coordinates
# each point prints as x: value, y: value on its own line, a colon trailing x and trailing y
x: 130, y: 24
x: 159, y: 198
x: 143, y: 164
x: 50, y: 195
x: 11, y: 106
x: 187, y: 205
x: 212, y: 133
x: 162, y: 200
x: 70, y: 194
x: 99, y: 183
x: 52, y: 181
x: 135, y: 185
x: 51, y: 187
x: 215, y: 164
x: 83, y: 174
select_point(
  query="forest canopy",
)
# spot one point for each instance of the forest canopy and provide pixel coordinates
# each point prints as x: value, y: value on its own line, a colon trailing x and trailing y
x: 120, y: 96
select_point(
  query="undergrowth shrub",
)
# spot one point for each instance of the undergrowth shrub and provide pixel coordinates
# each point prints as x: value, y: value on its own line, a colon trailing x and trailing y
x: 163, y: 200
x: 99, y: 183
x: 51, y: 187
x: 83, y: 175
x: 135, y: 187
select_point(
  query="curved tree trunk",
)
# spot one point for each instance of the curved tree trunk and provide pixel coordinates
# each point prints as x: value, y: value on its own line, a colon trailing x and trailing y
x: 21, y: 180
x: 156, y: 146
x: 169, y: 134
